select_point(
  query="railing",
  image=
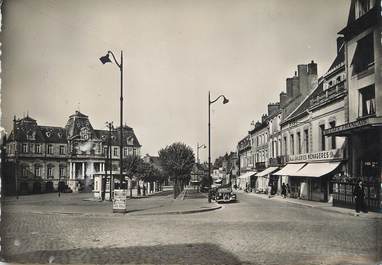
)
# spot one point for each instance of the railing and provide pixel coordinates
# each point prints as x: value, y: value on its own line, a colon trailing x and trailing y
x: 343, y: 195
x: 328, y: 94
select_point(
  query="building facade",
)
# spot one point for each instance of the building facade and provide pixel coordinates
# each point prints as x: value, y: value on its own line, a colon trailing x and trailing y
x: 40, y: 158
x: 363, y: 127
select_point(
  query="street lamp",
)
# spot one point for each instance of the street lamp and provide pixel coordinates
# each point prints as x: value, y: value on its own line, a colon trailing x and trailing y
x: 197, y: 151
x: 225, y: 101
x: 106, y: 59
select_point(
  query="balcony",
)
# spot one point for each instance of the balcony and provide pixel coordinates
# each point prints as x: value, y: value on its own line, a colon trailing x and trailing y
x: 328, y: 95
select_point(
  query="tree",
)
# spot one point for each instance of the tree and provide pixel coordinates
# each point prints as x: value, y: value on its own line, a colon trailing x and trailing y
x: 177, y: 161
x: 131, y: 165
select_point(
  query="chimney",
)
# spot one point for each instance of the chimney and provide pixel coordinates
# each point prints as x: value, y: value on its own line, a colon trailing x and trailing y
x: 302, y: 70
x: 283, y: 99
x: 289, y: 87
x: 273, y: 107
x: 340, y: 42
x: 312, y: 68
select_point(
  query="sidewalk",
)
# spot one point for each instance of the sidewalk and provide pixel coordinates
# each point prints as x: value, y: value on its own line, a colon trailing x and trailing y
x: 317, y: 205
x: 83, y: 204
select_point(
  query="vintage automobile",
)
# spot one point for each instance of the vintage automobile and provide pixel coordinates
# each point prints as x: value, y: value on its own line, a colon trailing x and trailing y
x: 225, y: 195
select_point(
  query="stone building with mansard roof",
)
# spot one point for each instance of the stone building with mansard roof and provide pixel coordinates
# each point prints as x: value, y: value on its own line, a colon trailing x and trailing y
x: 37, y: 158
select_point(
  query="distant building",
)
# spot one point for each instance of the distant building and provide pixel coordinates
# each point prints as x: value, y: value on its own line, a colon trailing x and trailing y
x: 40, y: 158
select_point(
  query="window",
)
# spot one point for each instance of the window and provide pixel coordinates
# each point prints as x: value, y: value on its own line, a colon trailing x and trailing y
x: 135, y: 152
x: 125, y: 151
x: 25, y: 170
x: 292, y: 144
x: 62, y: 149
x: 105, y: 150
x: 332, y: 124
x: 279, y: 148
x: 367, y: 101
x: 306, y: 140
x: 322, y: 137
x: 25, y: 148
x: 50, y: 171
x: 37, y: 149
x: 37, y: 170
x: 115, y: 151
x: 62, y: 171
x: 299, y: 143
x: 363, y: 55
x: 285, y: 146
x: 50, y: 149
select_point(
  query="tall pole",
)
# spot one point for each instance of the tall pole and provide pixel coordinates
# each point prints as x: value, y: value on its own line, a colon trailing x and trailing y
x: 110, y: 163
x: 16, y: 156
x: 209, y: 138
x: 197, y: 153
x: 121, y: 124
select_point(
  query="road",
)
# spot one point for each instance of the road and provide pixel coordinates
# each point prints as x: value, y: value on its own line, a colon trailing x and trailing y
x: 252, y: 231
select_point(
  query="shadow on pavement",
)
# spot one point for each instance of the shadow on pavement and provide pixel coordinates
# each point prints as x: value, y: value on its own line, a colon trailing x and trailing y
x: 200, y: 253
x: 194, y: 194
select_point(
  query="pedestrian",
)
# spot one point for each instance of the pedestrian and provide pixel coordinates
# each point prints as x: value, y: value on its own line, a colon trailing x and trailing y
x: 359, y: 196
x: 288, y: 189
x: 269, y: 189
x: 283, y: 190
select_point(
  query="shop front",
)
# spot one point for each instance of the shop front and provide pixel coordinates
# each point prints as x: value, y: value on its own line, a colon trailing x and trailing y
x: 263, y: 179
x: 364, y: 139
x: 244, y: 182
x: 309, y: 175
x: 286, y: 174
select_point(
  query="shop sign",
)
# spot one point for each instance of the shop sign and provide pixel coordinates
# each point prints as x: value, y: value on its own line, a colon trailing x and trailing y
x: 120, y: 201
x: 347, y: 126
x: 317, y: 156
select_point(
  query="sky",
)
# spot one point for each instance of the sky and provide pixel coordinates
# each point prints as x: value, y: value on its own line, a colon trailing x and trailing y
x: 175, y: 51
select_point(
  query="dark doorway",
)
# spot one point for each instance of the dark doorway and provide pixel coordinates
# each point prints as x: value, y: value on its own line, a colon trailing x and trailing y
x: 36, y: 188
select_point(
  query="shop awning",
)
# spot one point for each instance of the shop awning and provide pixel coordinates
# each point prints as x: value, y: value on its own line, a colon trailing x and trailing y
x: 290, y: 169
x: 247, y: 174
x: 316, y: 170
x: 267, y: 171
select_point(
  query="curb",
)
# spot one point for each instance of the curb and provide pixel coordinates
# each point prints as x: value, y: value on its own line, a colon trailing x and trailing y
x: 327, y: 209
x: 184, y: 212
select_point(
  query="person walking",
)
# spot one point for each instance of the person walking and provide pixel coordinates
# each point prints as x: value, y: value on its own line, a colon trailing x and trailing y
x: 288, y: 189
x: 359, y: 196
x: 283, y: 190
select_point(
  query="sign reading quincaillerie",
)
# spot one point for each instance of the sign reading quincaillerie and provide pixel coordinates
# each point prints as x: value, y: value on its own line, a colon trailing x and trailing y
x: 322, y: 155
x: 120, y: 201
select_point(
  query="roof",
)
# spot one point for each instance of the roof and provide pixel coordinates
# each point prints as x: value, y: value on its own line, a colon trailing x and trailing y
x: 306, y: 103
x: 340, y: 58
x: 28, y: 130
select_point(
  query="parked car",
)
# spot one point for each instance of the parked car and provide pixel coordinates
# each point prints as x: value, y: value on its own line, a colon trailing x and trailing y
x: 225, y: 195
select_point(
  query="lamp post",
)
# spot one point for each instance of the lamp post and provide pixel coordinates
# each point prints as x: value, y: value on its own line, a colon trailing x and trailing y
x: 197, y: 151
x: 110, y: 126
x: 106, y: 59
x: 225, y: 101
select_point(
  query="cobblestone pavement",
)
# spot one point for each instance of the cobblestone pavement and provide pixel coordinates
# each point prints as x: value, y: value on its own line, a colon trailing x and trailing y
x: 252, y: 231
